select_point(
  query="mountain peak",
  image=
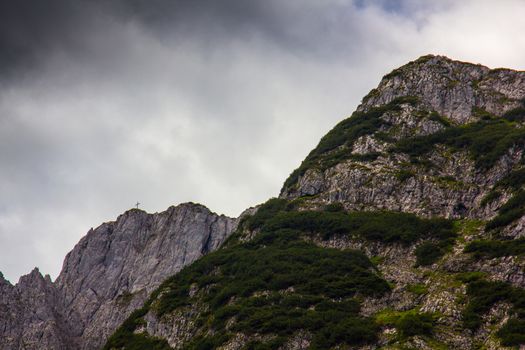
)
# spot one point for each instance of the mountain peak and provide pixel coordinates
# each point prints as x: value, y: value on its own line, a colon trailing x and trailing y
x: 451, y: 88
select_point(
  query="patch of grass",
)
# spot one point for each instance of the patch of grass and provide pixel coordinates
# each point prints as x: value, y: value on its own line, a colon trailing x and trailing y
x: 514, y: 180
x: 512, y: 333
x: 435, y: 116
x: 404, y: 174
x: 125, y: 338
x: 408, y: 323
x: 265, y: 212
x: 343, y: 135
x: 411, y: 324
x: 490, y: 197
x: 468, y: 277
x: 484, y: 294
x: 486, y: 141
x: 294, y: 285
x: 482, y: 114
x: 490, y: 249
x: 335, y: 207
x: 509, y: 212
x: 384, y: 226
x: 418, y: 289
x: 515, y: 115
x: 124, y: 299
x: 428, y: 253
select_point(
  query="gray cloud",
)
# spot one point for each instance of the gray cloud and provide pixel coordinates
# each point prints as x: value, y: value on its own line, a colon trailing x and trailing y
x: 106, y: 103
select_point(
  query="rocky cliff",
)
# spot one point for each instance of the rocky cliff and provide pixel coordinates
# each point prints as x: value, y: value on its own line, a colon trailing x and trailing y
x: 402, y: 229
x: 108, y: 274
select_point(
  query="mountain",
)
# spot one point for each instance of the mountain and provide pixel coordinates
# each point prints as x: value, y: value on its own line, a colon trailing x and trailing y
x: 108, y: 274
x: 403, y: 229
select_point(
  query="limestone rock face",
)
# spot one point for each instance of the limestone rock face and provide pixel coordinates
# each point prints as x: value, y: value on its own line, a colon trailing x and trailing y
x: 451, y: 87
x: 108, y: 274
x: 31, y: 314
x: 445, y: 93
x: 359, y: 165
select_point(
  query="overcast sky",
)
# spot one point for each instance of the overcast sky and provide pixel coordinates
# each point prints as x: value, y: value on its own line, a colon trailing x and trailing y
x: 105, y: 103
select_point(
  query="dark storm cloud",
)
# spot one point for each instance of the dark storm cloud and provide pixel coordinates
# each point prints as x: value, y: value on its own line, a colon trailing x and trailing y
x: 31, y: 29
x: 103, y: 103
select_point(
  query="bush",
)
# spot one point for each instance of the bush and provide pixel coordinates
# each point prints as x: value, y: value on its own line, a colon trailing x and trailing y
x: 404, y: 174
x: 428, y: 253
x: 411, y: 324
x: 486, y: 141
x: 484, y: 294
x: 512, y: 333
x: 343, y: 136
x: 515, y: 115
x: 496, y: 248
x: 510, y: 211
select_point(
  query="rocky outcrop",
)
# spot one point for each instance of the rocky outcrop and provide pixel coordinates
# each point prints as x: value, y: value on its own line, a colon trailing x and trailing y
x: 31, y: 314
x: 444, y: 182
x: 366, y: 163
x: 108, y: 274
x: 451, y: 88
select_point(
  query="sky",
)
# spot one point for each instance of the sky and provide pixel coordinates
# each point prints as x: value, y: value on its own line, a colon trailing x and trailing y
x: 106, y: 103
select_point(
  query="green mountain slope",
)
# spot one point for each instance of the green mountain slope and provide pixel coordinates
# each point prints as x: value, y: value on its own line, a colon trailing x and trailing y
x: 403, y: 229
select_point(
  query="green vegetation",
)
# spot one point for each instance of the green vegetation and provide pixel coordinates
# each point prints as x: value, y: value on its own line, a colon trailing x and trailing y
x: 510, y: 211
x: 515, y: 115
x: 490, y: 197
x: 418, y: 289
x: 428, y: 253
x: 343, y: 135
x: 435, y: 116
x: 515, y: 206
x: 124, y: 299
x: 387, y: 227
x: 408, y: 323
x: 125, y: 338
x: 415, y: 324
x: 483, y: 295
x: 512, y: 334
x: 404, y: 174
x: 295, y: 285
x: 482, y: 114
x: 486, y: 141
x: 496, y: 248
x: 514, y: 180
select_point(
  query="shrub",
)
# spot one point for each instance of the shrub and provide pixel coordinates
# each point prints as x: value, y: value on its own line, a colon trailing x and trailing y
x: 512, y: 333
x: 515, y: 115
x: 404, y: 174
x: 411, y: 324
x: 510, y: 211
x: 428, y: 253
x: 484, y: 294
x: 486, y: 141
x: 418, y: 289
x: 343, y: 136
x: 495, y: 248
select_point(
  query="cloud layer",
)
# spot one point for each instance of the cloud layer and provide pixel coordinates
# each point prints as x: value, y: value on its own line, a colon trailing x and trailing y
x: 106, y: 103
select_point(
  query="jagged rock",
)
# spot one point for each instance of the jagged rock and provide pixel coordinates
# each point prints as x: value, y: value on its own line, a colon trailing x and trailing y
x: 116, y: 266
x: 451, y: 87
x: 31, y: 314
x: 108, y: 274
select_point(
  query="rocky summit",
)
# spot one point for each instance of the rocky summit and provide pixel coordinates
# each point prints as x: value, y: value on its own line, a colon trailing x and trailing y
x: 403, y: 229
x: 108, y: 274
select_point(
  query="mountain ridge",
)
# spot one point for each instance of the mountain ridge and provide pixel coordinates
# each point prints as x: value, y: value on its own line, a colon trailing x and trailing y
x: 107, y: 275
x: 403, y: 228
